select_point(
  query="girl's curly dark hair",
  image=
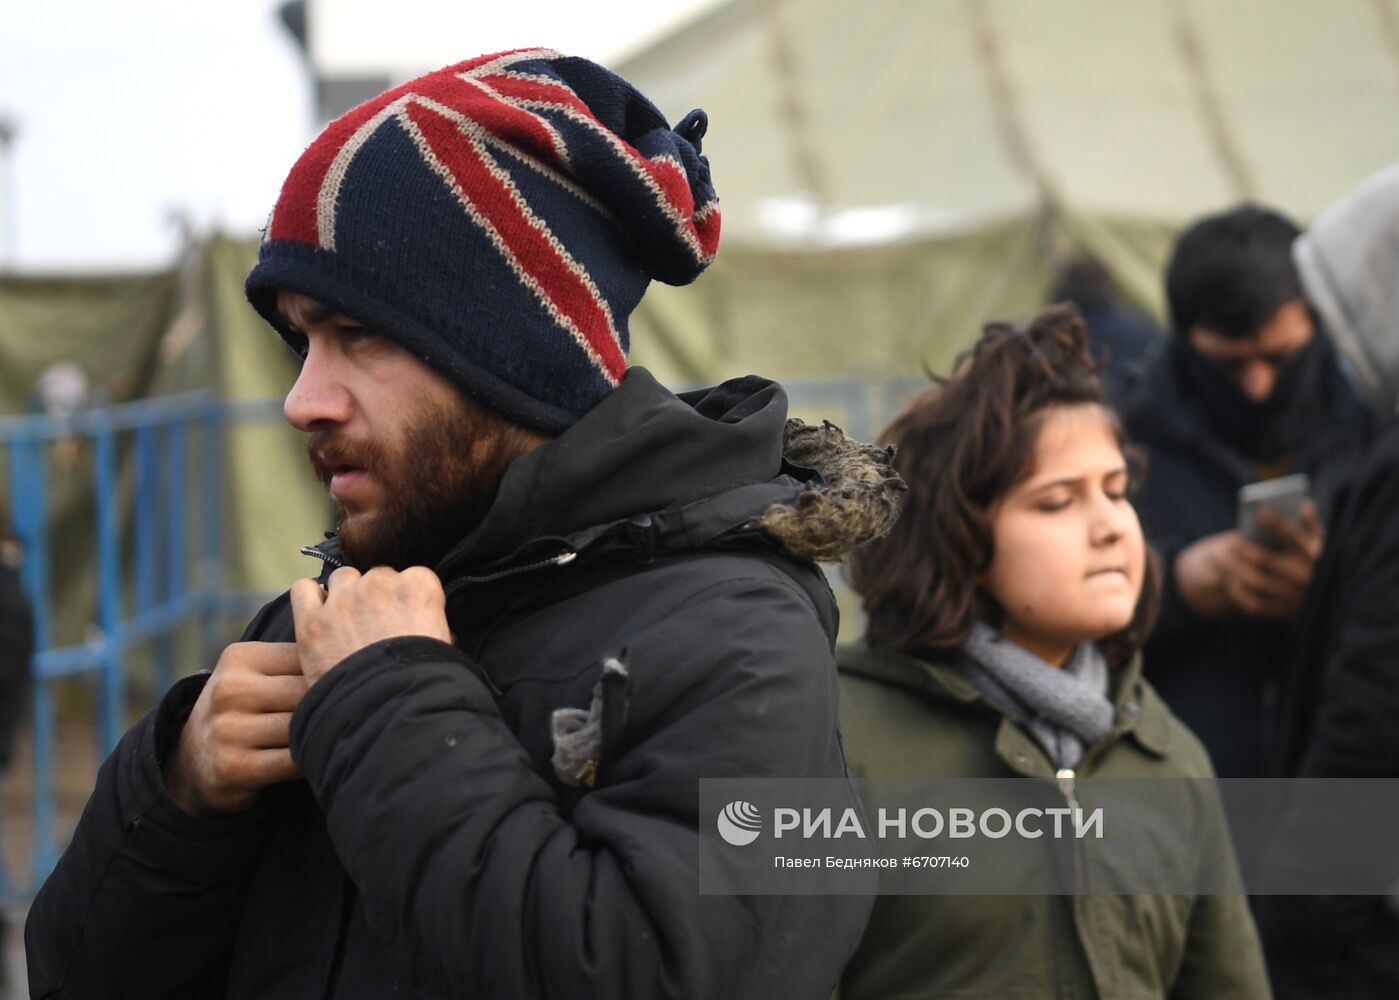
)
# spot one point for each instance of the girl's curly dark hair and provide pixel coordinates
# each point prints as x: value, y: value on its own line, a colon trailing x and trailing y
x: 962, y: 444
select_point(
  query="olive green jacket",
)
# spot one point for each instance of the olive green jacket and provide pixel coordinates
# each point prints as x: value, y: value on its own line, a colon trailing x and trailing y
x: 907, y: 718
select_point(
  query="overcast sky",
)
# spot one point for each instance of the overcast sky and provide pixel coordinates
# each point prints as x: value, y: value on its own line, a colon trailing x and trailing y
x: 132, y: 113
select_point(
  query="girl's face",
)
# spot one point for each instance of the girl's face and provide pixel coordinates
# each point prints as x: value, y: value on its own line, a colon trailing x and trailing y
x: 1069, y: 557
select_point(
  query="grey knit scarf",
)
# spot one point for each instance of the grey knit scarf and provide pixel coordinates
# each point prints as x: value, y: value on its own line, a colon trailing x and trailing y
x: 1066, y: 708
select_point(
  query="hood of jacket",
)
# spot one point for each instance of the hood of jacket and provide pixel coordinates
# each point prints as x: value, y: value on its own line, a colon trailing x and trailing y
x: 1349, y: 264
x: 652, y: 472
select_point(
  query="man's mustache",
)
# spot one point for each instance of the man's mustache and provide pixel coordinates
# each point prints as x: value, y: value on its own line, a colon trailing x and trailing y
x: 330, y: 451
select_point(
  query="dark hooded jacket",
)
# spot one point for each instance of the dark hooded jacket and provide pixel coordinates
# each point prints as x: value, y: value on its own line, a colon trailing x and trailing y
x: 442, y: 844
x: 1222, y: 678
x: 1340, y: 715
x: 16, y: 647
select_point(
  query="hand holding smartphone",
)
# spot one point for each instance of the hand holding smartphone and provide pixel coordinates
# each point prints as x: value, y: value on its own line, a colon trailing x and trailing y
x: 1284, y: 495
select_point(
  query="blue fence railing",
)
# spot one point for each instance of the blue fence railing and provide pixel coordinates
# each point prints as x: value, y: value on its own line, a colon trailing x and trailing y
x: 156, y: 471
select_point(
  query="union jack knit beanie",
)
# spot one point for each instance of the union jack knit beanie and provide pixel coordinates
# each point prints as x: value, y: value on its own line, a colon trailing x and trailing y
x: 499, y: 218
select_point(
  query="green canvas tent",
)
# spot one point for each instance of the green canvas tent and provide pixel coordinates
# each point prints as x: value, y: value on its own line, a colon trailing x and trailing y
x: 893, y: 173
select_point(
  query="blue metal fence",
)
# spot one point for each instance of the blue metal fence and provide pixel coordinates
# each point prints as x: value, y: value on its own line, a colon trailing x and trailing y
x: 160, y: 596
x: 148, y: 593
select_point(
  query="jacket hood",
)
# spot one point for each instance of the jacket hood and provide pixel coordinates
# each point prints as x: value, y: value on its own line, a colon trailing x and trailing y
x: 1349, y: 264
x: 650, y: 471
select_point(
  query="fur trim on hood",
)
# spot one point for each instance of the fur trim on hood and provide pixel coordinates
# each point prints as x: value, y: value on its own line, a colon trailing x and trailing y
x: 855, y: 501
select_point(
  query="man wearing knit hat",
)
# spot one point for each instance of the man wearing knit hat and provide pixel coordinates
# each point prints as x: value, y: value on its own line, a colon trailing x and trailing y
x: 481, y: 778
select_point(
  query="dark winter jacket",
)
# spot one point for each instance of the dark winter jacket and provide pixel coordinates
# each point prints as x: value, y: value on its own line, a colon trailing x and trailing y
x: 1222, y: 677
x: 435, y: 847
x: 1341, y: 720
x: 1341, y: 707
x: 16, y: 648
x: 909, y: 718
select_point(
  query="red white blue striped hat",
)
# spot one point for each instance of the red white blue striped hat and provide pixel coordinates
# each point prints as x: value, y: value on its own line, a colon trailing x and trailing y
x: 499, y: 218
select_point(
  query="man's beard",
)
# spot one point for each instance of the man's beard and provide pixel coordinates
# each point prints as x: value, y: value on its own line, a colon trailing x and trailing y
x: 435, y: 487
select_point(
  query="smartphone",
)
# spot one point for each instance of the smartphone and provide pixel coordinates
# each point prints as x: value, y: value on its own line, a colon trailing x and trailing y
x: 1285, y: 495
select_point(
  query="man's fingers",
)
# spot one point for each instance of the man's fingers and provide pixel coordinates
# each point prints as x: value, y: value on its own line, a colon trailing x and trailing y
x: 1266, y: 588
x: 281, y: 693
x: 1315, y: 532
x: 1243, y: 596
x: 1261, y: 604
x: 1253, y: 568
x: 269, y: 732
x: 277, y: 658
x: 1311, y: 520
x: 1247, y: 553
x: 267, y: 767
x: 341, y: 577
x: 1293, y: 568
x: 255, y: 694
x: 1304, y: 536
x: 267, y: 658
x: 1257, y: 568
x: 1274, y: 587
x: 306, y: 598
x: 1269, y: 570
x: 255, y: 732
x: 1264, y: 596
x: 425, y: 583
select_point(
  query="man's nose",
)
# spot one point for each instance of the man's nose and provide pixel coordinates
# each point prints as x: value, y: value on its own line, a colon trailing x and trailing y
x: 1258, y: 379
x: 318, y: 397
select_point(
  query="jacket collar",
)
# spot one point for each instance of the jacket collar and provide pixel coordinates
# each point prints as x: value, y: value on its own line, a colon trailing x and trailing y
x: 642, y: 449
x: 1141, y: 715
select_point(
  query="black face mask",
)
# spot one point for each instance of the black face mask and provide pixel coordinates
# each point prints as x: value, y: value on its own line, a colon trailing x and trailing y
x: 1263, y: 431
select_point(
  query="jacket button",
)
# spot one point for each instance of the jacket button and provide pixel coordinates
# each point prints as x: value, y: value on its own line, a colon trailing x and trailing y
x: 1131, y: 708
x: 1020, y: 758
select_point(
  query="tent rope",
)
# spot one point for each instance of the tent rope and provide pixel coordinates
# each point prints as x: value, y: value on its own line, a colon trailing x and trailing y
x: 1207, y: 98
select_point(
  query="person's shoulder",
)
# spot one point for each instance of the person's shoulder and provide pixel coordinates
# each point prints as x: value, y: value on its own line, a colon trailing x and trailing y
x: 863, y: 665
x: 1182, y: 750
x: 907, y: 718
x: 761, y: 572
x: 880, y: 684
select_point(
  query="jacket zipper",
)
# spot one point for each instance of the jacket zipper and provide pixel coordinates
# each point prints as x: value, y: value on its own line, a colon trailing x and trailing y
x: 325, y: 557
x: 1065, y: 778
x: 561, y: 559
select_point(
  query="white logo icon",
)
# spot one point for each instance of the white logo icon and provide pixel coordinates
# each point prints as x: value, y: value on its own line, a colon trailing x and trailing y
x: 740, y: 823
